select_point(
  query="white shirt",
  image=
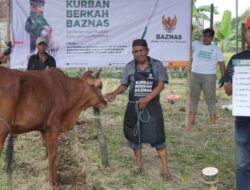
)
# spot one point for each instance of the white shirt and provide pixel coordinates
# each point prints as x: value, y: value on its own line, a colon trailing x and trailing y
x: 205, y: 57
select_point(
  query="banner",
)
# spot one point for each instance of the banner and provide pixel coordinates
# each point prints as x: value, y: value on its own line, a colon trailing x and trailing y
x: 99, y: 33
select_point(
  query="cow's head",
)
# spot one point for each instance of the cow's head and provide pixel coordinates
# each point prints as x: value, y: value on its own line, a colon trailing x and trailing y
x: 97, y: 100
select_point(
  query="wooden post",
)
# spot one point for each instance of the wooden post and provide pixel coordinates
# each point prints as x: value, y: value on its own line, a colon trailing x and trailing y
x: 212, y: 16
x: 101, y: 137
x: 187, y: 110
x: 210, y: 177
x: 243, y: 40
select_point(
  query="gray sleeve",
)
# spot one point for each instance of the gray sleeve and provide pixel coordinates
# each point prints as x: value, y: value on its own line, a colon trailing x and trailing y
x: 124, y: 79
x: 161, y: 72
x: 128, y: 70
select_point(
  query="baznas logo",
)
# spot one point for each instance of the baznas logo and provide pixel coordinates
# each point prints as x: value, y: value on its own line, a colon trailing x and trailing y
x: 168, y: 23
x: 150, y: 76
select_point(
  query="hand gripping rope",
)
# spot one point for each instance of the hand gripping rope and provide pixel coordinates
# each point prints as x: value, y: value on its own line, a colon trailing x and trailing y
x: 140, y: 120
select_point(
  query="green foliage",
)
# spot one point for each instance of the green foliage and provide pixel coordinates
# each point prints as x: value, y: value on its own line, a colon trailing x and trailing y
x: 105, y: 73
x: 112, y: 73
x: 227, y: 56
x: 73, y: 72
x: 241, y: 19
x: 224, y: 30
x: 200, y: 14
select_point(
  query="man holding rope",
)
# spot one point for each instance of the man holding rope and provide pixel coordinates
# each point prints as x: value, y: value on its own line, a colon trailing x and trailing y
x: 143, y: 120
x: 242, y: 123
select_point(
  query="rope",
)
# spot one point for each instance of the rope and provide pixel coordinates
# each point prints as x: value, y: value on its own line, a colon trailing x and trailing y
x: 139, y: 112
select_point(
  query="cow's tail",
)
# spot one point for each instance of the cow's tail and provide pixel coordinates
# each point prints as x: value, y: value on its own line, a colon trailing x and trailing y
x: 9, y: 157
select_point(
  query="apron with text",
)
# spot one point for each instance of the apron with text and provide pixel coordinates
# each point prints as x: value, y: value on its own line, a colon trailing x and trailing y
x: 151, y: 125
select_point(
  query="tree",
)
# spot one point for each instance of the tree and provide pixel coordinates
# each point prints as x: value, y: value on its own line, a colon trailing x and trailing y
x: 230, y: 43
x: 200, y: 14
x: 224, y: 30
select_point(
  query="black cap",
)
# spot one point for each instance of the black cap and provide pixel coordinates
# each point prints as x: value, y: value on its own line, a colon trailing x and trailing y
x: 209, y: 31
x: 37, y: 2
x: 140, y: 42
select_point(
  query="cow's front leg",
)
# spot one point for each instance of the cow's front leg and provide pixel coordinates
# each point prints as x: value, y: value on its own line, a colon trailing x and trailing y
x: 51, y: 141
x: 3, y: 134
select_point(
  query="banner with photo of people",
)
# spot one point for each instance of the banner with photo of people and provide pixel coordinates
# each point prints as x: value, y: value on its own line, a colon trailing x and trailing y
x: 99, y: 33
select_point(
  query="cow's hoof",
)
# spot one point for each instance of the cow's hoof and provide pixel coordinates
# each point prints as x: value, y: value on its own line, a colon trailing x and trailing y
x: 54, y: 184
x: 62, y: 137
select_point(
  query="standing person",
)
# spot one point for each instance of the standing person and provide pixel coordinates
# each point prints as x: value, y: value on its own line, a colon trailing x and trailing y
x: 242, y: 124
x: 203, y: 74
x: 143, y: 120
x: 42, y: 59
x: 36, y: 24
x: 6, y: 53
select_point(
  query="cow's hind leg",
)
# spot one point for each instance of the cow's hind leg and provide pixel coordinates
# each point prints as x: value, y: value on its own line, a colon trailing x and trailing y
x: 3, y: 134
x: 51, y: 142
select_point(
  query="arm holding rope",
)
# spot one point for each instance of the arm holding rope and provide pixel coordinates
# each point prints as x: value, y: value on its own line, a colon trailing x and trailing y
x: 222, y: 72
x: 156, y: 91
x: 3, y: 58
x: 111, y: 96
x: 228, y: 88
x: 6, y: 53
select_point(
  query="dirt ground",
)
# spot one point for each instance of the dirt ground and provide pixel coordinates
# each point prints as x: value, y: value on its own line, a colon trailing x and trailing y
x: 75, y: 166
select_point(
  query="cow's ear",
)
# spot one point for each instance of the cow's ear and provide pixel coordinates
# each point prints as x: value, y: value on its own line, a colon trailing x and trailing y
x: 87, y: 74
x: 94, y: 82
x: 96, y: 74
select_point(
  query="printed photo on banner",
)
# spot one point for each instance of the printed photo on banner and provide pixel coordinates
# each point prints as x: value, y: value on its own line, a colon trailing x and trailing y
x: 36, y: 26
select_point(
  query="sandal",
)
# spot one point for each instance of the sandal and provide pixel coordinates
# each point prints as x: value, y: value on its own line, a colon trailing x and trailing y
x: 166, y: 176
x: 136, y: 170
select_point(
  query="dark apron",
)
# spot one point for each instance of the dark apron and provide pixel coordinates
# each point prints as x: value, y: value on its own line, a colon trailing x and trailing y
x: 151, y: 125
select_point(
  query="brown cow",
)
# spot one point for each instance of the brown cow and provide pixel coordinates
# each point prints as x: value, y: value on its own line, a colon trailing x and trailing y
x: 47, y: 101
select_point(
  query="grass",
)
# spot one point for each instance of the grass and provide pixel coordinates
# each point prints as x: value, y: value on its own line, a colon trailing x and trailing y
x: 190, y: 150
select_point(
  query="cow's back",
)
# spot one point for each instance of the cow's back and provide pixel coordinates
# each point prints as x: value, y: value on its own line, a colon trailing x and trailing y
x: 38, y: 100
x: 28, y: 98
x: 9, y: 90
x: 42, y: 99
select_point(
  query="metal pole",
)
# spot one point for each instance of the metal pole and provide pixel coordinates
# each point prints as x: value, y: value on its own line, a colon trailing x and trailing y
x: 9, y: 18
x: 9, y: 25
x: 236, y: 11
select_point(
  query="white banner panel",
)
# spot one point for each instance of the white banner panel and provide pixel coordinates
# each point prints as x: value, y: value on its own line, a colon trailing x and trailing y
x: 241, y: 89
x: 99, y: 33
